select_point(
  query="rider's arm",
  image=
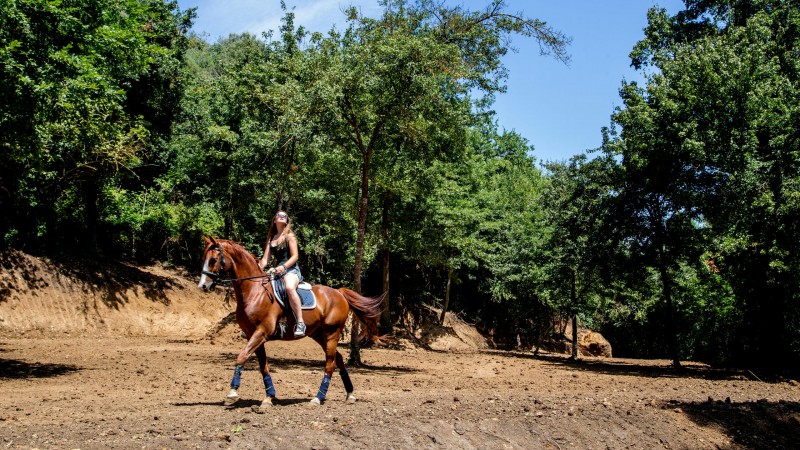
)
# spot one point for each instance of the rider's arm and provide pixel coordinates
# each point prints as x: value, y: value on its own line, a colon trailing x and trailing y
x: 293, y: 252
x: 265, y: 259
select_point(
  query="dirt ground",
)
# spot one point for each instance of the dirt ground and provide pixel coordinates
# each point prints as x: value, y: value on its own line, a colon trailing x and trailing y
x: 101, y: 379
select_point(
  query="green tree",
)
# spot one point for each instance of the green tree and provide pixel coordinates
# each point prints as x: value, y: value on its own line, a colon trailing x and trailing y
x: 514, y: 230
x: 397, y: 72
x: 657, y: 205
x: 577, y: 250
x: 719, y: 119
x: 238, y: 147
x: 483, y: 231
x: 87, y: 86
x: 224, y: 128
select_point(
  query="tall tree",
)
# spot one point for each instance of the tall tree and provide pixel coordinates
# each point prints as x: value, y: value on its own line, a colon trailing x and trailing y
x: 723, y: 107
x: 485, y: 228
x: 575, y: 201
x: 87, y: 86
x: 657, y: 204
x: 238, y: 145
x: 406, y: 67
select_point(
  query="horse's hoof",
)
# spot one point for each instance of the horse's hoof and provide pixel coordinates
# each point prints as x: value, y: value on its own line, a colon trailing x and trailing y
x: 351, y: 398
x: 315, y: 402
x: 267, y: 403
x: 232, y: 398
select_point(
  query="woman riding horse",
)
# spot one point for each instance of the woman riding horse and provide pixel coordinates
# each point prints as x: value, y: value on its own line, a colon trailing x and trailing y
x: 258, y: 312
x: 282, y: 244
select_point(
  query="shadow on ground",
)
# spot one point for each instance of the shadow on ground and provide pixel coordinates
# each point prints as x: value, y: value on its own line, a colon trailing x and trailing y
x: 16, y: 369
x: 628, y: 368
x: 757, y: 425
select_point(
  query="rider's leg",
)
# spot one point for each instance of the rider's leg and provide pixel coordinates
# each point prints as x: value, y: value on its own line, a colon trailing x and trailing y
x: 292, y: 281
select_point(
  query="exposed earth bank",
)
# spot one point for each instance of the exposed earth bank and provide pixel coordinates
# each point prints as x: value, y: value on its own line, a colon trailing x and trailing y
x: 125, y: 357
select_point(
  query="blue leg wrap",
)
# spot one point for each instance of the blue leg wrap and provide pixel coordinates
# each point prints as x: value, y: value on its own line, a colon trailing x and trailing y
x: 348, y: 385
x: 268, y: 386
x: 237, y: 377
x: 323, y: 388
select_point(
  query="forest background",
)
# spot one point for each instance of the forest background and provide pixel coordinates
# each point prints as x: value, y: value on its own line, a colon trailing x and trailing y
x: 124, y: 136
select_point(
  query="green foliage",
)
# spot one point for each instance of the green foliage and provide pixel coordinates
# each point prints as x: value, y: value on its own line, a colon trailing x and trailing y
x: 717, y: 126
x: 121, y: 135
x: 576, y: 253
x: 81, y: 81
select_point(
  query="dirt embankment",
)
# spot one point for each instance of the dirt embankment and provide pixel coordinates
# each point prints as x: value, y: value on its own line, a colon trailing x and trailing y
x: 41, y: 296
x: 127, y: 357
x: 38, y: 295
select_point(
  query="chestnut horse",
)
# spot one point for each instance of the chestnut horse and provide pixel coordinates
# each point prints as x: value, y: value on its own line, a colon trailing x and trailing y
x: 258, y: 312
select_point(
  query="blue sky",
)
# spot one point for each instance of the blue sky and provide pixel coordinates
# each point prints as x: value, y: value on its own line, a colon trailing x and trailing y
x: 560, y: 109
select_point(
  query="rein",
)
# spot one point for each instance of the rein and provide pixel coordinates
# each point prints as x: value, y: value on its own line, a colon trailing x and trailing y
x: 216, y: 276
x: 230, y: 280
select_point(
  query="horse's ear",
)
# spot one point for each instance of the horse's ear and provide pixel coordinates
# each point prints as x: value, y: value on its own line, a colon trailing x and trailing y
x: 210, y: 240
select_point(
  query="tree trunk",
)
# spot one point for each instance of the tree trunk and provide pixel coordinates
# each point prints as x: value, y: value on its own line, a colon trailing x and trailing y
x: 362, y: 221
x: 355, y: 350
x: 540, y: 335
x: 386, y: 315
x: 574, y: 303
x: 666, y: 291
x: 446, y: 295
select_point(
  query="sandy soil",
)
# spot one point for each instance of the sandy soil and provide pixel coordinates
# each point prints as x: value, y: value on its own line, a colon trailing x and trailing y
x: 115, y: 375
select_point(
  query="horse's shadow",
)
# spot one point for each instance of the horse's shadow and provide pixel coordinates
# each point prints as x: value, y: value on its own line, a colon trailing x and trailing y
x: 276, y: 364
x: 244, y: 404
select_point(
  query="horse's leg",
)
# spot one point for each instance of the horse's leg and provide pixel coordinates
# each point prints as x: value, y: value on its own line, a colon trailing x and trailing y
x: 261, y: 353
x: 233, y: 396
x: 328, y: 344
x: 257, y: 339
x: 348, y: 385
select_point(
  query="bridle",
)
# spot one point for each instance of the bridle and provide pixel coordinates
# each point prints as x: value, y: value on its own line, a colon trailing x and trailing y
x: 216, y: 276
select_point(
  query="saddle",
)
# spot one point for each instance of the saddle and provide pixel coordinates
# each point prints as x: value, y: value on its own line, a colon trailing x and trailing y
x: 307, y: 298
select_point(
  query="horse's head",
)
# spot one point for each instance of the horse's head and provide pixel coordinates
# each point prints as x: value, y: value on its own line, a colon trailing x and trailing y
x: 214, y: 264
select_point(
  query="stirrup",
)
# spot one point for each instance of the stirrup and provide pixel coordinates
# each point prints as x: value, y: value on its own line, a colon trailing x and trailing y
x: 300, y: 329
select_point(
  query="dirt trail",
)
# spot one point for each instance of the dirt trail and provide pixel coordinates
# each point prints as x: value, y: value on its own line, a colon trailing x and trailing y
x: 117, y: 385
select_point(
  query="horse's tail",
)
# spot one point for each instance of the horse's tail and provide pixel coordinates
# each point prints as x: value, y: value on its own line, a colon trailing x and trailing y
x: 367, y: 309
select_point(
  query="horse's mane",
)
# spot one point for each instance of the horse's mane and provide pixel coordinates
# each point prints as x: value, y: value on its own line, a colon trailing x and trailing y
x: 237, y: 250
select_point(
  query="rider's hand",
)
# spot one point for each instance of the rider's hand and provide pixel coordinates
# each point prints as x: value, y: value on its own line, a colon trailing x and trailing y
x: 280, y: 269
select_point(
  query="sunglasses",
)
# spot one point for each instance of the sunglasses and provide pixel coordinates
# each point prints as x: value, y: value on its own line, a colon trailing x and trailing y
x: 281, y: 216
